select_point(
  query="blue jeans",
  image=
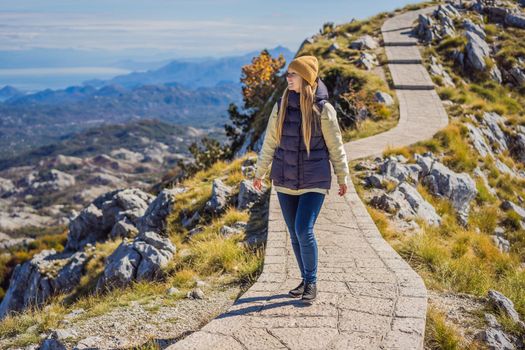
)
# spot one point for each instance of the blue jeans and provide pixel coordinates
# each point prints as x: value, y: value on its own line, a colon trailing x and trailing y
x: 300, y: 213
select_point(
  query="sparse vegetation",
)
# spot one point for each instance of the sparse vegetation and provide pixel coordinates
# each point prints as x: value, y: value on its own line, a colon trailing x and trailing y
x: 221, y: 261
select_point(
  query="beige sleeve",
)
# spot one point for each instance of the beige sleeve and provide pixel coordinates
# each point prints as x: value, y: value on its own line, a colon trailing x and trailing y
x: 268, y: 148
x: 334, y: 142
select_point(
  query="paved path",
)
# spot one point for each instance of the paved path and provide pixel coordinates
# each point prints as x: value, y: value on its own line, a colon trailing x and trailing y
x: 369, y: 297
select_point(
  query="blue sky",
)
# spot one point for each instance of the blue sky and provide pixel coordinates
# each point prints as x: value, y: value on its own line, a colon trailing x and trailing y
x: 181, y: 28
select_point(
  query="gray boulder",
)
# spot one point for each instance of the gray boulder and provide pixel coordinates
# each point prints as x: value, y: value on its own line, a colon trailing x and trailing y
x: 148, y: 253
x: 508, y: 205
x: 367, y: 60
x: 195, y: 293
x: 154, y: 218
x: 365, y: 42
x: 406, y: 202
x: 96, y: 221
x: 437, y: 69
x: 476, y: 51
x: 459, y: 188
x: 46, y: 274
x: 238, y: 227
x: 495, y: 134
x: 188, y: 221
x: 495, y: 74
x: 419, y: 205
x: 517, y: 75
x: 384, y: 98
x: 517, y: 146
x: 472, y: 27
x: 45, y: 182
x: 220, y: 197
x: 377, y: 180
x: 426, y: 29
x: 495, y: 339
x: 504, y: 304
x: 141, y: 259
x: 502, y: 243
x: 403, y: 172
x: 478, y: 140
x: 333, y: 47
x: 504, y: 168
x: 248, y: 195
x: 446, y: 14
x: 515, y: 19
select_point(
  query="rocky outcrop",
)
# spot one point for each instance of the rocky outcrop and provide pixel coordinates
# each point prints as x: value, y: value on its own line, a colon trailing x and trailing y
x: 437, y: 69
x: 494, y: 336
x: 248, y: 196
x: 236, y: 228
x: 406, y: 203
x: 383, y: 98
x: 494, y: 132
x: 110, y: 215
x: 493, y: 137
x: 49, y: 272
x: 475, y: 28
x: 367, y: 60
x: 459, y: 188
x: 145, y: 256
x: 221, y: 195
x: 45, y: 182
x: 365, y: 42
x: 509, y: 205
x: 402, y: 172
x: 517, y: 144
x: 505, y: 305
x: 438, y: 25
x: 500, y: 241
x: 6, y: 242
x: 45, y: 275
x: 476, y: 51
x: 141, y: 259
x: 478, y: 140
x: 426, y: 29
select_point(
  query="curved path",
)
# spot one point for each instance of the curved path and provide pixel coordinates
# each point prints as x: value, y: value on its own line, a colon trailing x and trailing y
x: 369, y: 297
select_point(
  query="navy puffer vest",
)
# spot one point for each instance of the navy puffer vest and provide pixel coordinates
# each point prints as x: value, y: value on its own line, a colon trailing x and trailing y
x: 291, y: 166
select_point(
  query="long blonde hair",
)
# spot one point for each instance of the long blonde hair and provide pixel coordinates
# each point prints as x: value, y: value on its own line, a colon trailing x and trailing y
x: 310, y: 113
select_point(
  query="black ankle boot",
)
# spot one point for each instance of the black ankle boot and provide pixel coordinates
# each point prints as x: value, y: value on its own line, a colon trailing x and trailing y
x: 310, y: 292
x: 297, y: 291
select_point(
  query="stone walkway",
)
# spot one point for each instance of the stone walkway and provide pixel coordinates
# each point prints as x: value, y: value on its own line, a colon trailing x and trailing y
x: 369, y: 297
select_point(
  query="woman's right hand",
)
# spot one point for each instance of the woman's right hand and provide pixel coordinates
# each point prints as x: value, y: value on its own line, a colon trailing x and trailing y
x: 257, y: 183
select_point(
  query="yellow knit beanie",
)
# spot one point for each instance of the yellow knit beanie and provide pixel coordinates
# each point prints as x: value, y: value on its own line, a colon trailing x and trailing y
x: 307, y: 67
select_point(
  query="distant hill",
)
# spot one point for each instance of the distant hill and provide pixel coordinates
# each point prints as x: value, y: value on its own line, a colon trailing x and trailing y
x: 8, y: 92
x: 42, y: 118
x: 184, y: 92
x: 133, y: 136
x: 194, y: 73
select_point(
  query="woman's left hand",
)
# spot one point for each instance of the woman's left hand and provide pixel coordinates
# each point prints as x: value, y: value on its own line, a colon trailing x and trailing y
x: 342, y: 189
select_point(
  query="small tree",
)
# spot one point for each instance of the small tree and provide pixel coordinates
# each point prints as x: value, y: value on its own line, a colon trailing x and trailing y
x: 259, y: 81
x: 203, y: 158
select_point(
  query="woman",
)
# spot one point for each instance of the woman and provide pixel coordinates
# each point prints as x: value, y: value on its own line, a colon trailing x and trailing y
x: 302, y: 138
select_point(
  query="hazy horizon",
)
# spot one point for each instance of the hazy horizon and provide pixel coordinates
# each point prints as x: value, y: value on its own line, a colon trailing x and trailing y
x: 58, y: 43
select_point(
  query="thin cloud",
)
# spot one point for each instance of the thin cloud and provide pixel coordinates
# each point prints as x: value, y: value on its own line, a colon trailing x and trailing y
x: 94, y: 31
